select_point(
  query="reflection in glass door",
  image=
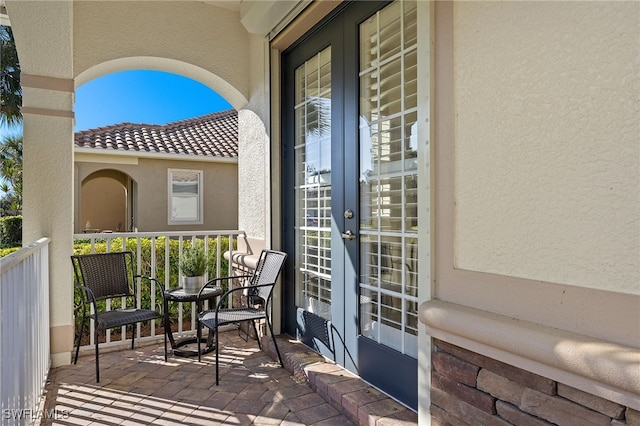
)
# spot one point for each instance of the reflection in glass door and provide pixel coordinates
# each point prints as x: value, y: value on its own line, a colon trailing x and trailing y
x: 389, y: 178
x: 312, y: 151
x: 350, y: 191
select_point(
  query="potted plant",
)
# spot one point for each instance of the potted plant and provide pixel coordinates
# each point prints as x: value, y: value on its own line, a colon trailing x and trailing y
x: 194, y: 264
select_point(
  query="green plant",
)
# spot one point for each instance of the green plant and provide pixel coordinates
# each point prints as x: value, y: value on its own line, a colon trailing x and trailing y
x: 194, y: 262
x: 7, y: 251
x: 10, y: 231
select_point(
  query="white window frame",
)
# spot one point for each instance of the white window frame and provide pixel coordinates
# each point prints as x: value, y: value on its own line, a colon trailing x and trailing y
x: 192, y: 220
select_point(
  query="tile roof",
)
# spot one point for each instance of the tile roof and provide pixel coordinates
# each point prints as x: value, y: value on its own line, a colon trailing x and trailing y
x: 208, y: 135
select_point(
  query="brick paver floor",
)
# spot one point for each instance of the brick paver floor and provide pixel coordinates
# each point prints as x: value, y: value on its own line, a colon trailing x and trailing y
x: 138, y: 387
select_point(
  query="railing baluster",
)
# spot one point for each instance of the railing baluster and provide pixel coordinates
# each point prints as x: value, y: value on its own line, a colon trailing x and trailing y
x: 152, y: 284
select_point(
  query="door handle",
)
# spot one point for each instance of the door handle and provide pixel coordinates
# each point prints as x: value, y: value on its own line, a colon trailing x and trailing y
x: 348, y: 235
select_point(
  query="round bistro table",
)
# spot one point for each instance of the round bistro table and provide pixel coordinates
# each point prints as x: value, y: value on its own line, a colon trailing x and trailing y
x: 178, y: 295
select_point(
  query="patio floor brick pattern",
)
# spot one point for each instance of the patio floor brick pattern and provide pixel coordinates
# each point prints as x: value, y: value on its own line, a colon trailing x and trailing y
x: 139, y: 388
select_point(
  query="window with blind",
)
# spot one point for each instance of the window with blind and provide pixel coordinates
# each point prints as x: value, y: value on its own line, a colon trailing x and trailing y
x: 389, y: 178
x: 185, y: 197
x: 313, y: 183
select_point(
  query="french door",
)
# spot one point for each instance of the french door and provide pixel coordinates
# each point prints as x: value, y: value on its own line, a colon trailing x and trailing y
x: 350, y: 192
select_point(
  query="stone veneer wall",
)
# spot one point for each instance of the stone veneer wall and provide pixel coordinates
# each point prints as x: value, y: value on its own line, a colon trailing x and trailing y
x: 468, y: 388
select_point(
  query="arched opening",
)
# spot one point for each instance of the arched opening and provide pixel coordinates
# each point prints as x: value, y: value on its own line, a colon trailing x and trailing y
x: 106, y: 202
x: 143, y: 96
x: 170, y: 124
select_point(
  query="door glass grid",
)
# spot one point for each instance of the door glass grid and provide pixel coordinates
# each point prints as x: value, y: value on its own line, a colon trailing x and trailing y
x: 388, y: 178
x: 313, y: 184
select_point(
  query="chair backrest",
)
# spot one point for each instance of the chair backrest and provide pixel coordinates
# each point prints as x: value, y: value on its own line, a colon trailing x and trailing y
x: 106, y: 274
x: 267, y: 271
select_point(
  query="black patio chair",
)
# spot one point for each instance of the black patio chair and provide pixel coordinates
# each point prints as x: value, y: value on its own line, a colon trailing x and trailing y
x: 108, y: 276
x: 258, y: 292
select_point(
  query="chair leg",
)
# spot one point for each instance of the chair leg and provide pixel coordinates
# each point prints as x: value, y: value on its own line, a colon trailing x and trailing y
x: 198, y: 338
x: 133, y: 334
x: 97, y: 356
x: 165, y: 344
x: 275, y: 343
x: 217, y: 356
x: 167, y: 325
x: 82, y: 324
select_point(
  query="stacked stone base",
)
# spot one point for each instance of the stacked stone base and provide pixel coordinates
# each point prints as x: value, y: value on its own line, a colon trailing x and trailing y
x: 471, y: 389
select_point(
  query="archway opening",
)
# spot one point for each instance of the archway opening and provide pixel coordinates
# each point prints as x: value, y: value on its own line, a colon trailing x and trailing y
x: 106, y: 202
x: 149, y: 125
x: 144, y: 97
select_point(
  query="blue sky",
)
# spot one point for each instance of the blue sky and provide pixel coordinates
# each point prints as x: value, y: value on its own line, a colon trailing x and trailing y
x: 140, y: 96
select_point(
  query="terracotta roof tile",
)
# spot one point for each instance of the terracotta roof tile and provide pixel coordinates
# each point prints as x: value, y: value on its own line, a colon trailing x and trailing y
x: 209, y: 135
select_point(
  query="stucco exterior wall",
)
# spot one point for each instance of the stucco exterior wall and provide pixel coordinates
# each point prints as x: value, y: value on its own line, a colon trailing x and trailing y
x: 547, y: 158
x: 253, y: 146
x: 110, y: 31
x: 46, y: 60
x: 536, y: 249
x: 220, y: 186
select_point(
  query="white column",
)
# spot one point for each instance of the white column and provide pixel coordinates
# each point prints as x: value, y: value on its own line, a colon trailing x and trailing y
x: 44, y: 37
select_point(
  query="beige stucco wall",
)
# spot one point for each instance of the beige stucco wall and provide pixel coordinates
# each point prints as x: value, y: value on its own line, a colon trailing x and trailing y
x: 536, y: 248
x: 210, y: 39
x: 220, y: 186
x: 46, y: 60
x: 253, y: 145
x: 547, y: 130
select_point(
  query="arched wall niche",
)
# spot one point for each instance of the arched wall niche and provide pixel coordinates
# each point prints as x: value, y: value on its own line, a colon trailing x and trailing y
x: 105, y: 201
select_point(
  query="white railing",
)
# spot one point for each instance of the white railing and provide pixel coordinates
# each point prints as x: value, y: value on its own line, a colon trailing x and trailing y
x: 157, y: 254
x: 24, y: 331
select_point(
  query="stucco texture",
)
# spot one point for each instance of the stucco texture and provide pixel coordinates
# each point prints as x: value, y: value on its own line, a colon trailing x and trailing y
x: 547, y: 124
x: 252, y: 187
x: 109, y: 31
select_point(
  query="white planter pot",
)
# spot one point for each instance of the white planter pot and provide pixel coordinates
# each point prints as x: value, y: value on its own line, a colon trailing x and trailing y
x: 192, y: 285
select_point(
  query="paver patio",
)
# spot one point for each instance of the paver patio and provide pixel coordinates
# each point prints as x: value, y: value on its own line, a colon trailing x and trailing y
x: 137, y: 387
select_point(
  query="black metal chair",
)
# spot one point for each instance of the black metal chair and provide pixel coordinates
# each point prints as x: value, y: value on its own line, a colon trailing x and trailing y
x: 258, y: 292
x: 108, y: 276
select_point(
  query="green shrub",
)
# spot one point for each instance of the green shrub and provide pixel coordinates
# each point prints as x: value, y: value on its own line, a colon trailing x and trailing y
x: 10, y: 231
x: 7, y: 251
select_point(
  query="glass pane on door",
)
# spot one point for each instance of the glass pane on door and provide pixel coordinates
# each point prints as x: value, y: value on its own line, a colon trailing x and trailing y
x: 313, y: 184
x: 388, y: 178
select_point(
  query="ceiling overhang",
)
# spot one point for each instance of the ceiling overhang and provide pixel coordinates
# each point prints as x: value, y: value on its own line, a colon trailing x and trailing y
x: 264, y: 17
